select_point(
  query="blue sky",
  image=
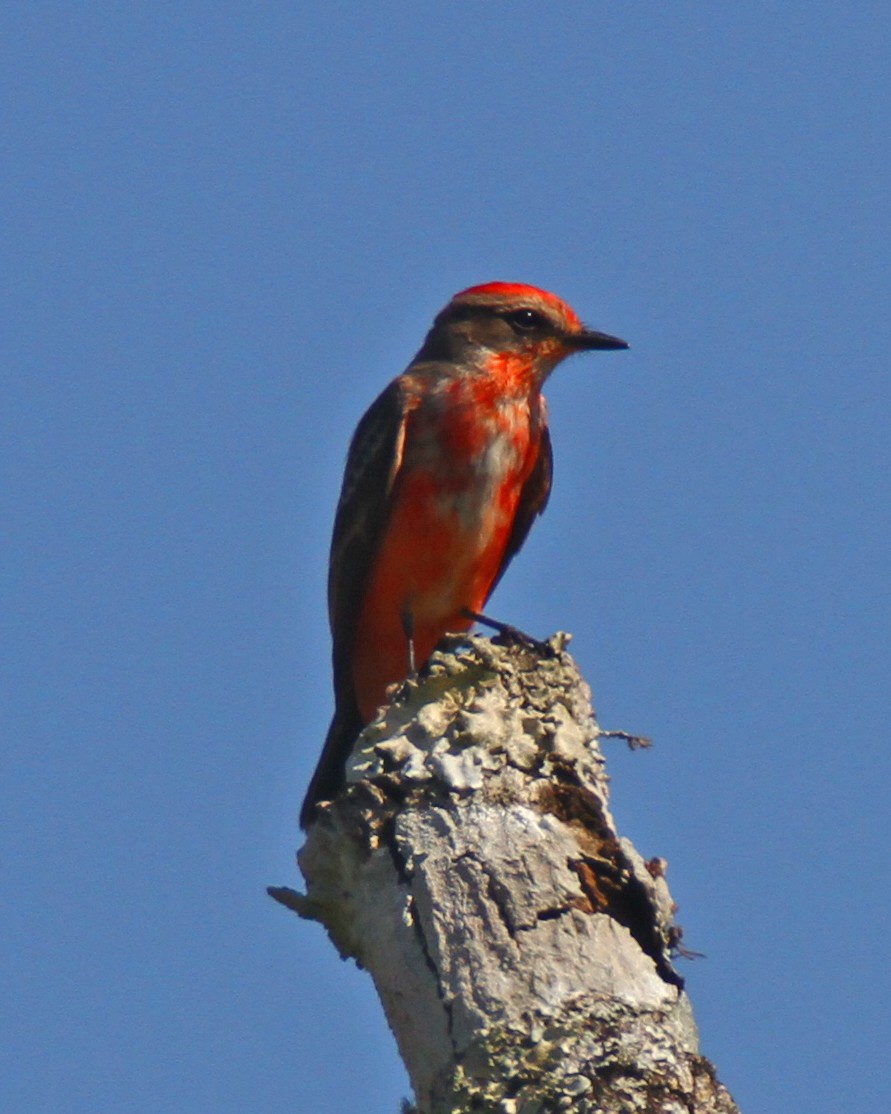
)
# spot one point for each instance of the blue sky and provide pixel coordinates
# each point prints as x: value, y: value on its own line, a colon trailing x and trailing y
x: 225, y: 227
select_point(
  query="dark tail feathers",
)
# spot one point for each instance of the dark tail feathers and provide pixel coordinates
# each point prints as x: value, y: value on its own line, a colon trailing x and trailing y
x: 330, y: 771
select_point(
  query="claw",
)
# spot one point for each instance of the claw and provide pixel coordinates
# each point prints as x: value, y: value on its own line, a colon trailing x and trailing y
x: 512, y: 634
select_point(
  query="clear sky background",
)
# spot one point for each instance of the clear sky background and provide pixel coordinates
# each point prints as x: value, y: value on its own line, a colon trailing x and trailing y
x: 225, y: 227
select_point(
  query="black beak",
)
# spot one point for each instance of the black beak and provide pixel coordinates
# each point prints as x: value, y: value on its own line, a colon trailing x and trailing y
x: 589, y: 339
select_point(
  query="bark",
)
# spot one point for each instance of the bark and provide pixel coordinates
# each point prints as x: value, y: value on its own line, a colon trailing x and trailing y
x: 522, y: 950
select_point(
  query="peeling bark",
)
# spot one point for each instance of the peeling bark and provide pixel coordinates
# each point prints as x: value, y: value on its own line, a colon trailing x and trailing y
x: 521, y: 948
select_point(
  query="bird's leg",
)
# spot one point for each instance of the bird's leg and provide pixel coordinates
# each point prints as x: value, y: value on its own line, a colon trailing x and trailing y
x: 512, y: 634
x: 407, y: 622
x: 406, y: 617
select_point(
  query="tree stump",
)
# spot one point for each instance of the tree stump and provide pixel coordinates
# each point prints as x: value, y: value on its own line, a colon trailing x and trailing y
x: 522, y: 949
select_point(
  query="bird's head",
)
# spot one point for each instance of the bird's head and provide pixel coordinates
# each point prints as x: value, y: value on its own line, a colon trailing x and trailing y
x: 510, y: 321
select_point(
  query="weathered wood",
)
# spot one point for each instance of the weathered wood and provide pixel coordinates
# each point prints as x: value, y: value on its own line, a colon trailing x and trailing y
x: 521, y: 949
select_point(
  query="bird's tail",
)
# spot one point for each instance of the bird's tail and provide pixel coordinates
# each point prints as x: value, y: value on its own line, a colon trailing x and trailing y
x: 331, y: 769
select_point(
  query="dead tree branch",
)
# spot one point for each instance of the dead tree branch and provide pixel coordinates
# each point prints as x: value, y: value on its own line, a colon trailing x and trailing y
x: 521, y: 948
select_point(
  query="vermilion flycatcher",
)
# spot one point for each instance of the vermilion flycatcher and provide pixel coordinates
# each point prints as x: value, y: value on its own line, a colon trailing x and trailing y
x: 446, y: 472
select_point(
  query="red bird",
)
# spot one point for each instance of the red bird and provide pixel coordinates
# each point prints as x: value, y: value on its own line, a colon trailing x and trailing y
x: 446, y: 472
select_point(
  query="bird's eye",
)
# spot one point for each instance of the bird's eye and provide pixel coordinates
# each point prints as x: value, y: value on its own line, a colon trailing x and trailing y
x: 526, y: 320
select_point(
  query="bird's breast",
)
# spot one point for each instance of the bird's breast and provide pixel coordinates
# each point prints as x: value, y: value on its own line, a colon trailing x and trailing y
x: 452, y: 509
x: 471, y: 447
x: 463, y: 471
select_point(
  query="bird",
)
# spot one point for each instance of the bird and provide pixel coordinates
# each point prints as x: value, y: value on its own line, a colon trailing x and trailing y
x: 445, y: 474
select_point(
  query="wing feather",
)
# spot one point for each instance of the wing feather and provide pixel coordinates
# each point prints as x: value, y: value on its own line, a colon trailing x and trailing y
x: 533, y: 500
x: 373, y: 462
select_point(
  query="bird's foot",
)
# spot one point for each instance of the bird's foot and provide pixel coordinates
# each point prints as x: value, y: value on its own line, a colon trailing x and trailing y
x: 511, y: 634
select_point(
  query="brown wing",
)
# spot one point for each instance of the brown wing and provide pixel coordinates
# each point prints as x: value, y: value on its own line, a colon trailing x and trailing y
x: 373, y: 462
x: 533, y: 500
